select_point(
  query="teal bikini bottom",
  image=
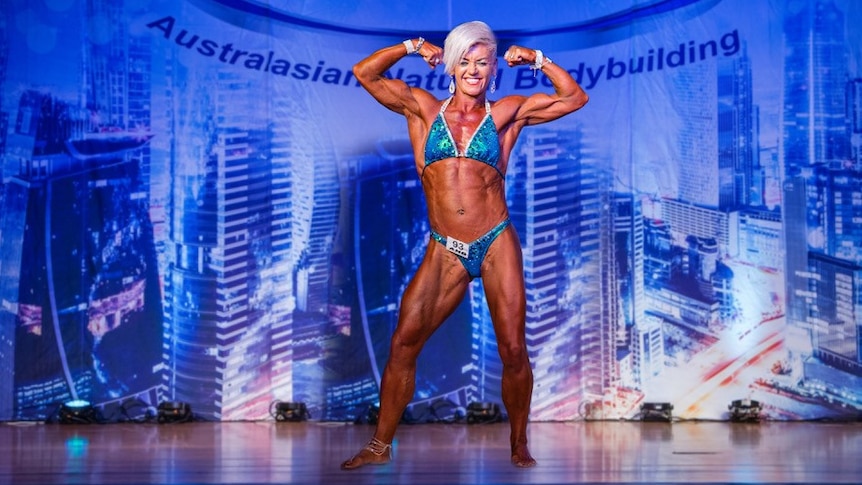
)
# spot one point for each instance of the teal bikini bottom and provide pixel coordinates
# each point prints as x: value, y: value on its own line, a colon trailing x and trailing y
x: 478, y: 248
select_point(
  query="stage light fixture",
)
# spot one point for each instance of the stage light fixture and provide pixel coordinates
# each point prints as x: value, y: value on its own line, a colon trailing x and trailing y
x: 291, y: 411
x: 745, y: 410
x: 657, y: 412
x: 174, y: 412
x: 483, y: 412
x: 77, y: 411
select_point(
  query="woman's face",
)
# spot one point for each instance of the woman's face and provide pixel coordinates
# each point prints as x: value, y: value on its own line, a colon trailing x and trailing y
x: 474, y: 71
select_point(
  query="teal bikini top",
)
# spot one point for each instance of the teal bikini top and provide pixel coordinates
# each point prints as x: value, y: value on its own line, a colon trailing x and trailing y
x: 484, y: 145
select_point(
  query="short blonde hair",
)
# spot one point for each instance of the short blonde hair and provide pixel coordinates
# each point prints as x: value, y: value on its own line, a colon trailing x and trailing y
x: 462, y: 38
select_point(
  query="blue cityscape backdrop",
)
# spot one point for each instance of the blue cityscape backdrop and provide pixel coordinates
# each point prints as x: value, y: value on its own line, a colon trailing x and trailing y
x: 199, y: 203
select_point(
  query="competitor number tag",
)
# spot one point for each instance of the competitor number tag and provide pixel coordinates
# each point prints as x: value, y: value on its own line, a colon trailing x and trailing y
x: 458, y: 247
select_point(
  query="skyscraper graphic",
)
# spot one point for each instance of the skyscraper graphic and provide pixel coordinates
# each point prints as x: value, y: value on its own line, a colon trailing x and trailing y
x: 4, y: 66
x: 629, y: 265
x: 854, y: 122
x: 229, y: 287
x: 760, y: 239
x: 699, y: 173
x: 386, y: 191
x: 315, y: 206
x: 821, y: 190
x: 391, y: 233
x: 835, y: 309
x: 7, y: 332
x: 834, y: 317
x: 815, y: 77
x: 700, y: 236
x: 486, y: 369
x: 279, y: 270
x: 795, y: 211
x: 97, y: 150
x: 558, y: 203
x: 840, y: 193
x: 647, y: 334
x: 117, y: 68
x: 314, y: 194
x: 648, y: 350
x: 80, y: 281
x: 176, y: 220
x: 371, y: 299
x: 738, y: 163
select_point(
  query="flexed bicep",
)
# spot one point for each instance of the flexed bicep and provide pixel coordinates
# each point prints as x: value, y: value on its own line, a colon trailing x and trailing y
x: 568, y: 96
x: 394, y: 94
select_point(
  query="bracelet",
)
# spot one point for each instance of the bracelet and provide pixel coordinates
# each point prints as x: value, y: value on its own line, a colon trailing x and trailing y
x: 413, y: 49
x: 540, y: 62
x: 409, y: 45
x: 540, y: 59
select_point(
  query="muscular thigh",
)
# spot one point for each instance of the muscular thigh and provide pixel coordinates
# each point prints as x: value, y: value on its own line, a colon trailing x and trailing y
x: 503, y: 281
x: 433, y: 294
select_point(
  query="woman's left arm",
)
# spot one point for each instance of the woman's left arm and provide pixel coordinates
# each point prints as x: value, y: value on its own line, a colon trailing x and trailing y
x: 568, y: 95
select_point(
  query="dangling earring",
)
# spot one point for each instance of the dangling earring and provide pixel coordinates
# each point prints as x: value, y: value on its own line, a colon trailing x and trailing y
x: 452, y: 85
x: 493, y: 84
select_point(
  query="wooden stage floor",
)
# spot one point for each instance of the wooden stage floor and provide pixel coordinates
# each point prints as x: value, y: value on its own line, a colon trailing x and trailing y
x: 310, y: 453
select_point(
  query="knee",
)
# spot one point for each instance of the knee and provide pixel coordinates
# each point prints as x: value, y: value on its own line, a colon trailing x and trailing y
x: 514, y: 357
x: 404, y: 348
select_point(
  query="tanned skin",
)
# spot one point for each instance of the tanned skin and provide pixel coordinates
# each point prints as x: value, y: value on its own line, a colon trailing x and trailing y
x: 465, y: 199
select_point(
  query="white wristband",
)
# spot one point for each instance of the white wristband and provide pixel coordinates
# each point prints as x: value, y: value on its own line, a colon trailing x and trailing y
x: 413, y: 49
x: 409, y: 45
x: 540, y: 60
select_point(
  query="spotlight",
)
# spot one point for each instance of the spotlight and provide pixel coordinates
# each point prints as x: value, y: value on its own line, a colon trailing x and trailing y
x: 483, y: 412
x: 657, y: 411
x: 174, y: 412
x: 291, y: 411
x: 745, y: 410
x: 77, y: 411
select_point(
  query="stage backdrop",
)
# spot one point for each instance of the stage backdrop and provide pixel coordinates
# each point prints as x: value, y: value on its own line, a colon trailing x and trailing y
x: 200, y: 204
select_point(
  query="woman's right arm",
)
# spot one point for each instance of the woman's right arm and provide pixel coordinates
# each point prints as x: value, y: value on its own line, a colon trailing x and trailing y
x: 394, y: 94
